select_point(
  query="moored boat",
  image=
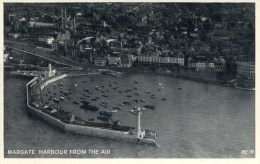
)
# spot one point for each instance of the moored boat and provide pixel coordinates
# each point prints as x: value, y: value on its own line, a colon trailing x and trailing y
x: 105, y: 113
x: 133, y: 111
x: 75, y: 102
x: 126, y: 103
x: 55, y: 99
x: 104, y: 104
x: 112, y: 111
x: 102, y: 117
x: 150, y: 106
x: 117, y: 107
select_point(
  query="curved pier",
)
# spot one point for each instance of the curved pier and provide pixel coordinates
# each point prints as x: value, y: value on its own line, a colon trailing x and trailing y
x: 68, y: 122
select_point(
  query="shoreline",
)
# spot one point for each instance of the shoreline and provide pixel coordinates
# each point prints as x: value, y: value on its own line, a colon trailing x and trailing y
x: 180, y: 75
x: 189, y: 76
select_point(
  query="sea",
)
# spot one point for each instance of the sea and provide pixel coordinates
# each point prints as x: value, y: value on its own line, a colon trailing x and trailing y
x: 195, y: 120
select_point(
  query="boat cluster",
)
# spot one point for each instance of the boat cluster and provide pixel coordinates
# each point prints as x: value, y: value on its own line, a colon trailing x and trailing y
x: 87, y: 97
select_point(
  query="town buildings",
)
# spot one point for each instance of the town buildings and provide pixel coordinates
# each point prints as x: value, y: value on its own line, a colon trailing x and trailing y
x: 199, y: 37
x: 245, y: 70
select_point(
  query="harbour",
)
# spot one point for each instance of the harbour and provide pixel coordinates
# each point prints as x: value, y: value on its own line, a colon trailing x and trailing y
x: 198, y: 121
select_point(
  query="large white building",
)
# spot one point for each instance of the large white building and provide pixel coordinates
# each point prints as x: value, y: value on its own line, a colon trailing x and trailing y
x: 142, y: 59
x: 245, y: 70
x: 202, y: 66
x: 217, y: 65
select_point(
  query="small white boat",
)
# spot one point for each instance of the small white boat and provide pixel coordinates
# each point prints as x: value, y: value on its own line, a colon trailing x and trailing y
x: 133, y: 111
x: 54, y: 111
x: 55, y: 99
x: 143, y: 108
x: 112, y: 111
x: 104, y: 104
x: 45, y: 107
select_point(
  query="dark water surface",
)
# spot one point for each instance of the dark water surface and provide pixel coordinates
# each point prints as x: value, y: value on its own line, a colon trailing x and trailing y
x: 196, y: 120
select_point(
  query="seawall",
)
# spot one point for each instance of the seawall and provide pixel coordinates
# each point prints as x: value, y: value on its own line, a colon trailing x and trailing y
x: 40, y: 84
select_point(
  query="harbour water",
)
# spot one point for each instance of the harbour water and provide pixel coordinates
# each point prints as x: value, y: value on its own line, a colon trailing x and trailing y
x: 196, y: 120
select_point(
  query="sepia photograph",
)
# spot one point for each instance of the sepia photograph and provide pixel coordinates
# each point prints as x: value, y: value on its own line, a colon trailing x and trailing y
x: 129, y: 80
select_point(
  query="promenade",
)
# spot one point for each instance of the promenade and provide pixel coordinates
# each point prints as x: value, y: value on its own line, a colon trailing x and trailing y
x: 40, y: 52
